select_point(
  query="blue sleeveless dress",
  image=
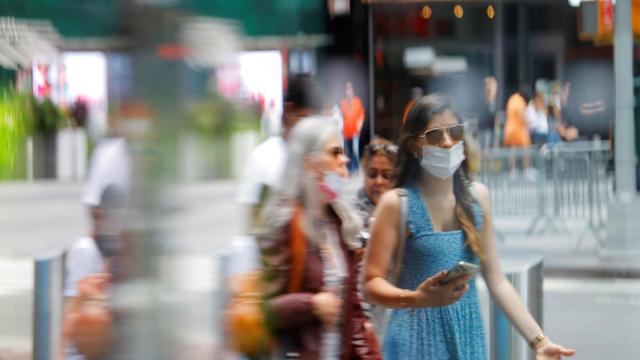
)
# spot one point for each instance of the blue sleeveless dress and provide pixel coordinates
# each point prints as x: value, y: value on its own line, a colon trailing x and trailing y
x: 453, y: 332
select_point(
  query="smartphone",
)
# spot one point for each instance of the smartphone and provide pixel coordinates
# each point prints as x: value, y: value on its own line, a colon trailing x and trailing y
x: 459, y: 270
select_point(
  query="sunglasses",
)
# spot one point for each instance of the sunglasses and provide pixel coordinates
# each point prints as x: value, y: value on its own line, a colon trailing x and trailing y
x: 435, y: 136
x: 389, y: 149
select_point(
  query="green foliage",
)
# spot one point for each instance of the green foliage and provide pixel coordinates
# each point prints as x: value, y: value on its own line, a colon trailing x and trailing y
x: 47, y: 118
x: 217, y: 116
x: 15, y: 125
x: 21, y: 116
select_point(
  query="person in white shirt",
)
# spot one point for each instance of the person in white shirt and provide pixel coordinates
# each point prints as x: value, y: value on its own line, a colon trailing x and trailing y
x: 537, y: 116
x: 266, y: 162
x: 93, y: 254
x: 110, y: 165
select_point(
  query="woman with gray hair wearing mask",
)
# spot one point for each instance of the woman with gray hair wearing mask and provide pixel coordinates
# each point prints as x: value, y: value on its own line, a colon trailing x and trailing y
x: 311, y: 301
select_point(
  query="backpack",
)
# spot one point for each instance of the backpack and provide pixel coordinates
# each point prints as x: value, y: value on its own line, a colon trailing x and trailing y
x: 245, y: 320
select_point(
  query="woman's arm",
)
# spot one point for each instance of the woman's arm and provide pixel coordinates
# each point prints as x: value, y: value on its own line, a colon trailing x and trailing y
x: 501, y: 289
x: 382, y: 245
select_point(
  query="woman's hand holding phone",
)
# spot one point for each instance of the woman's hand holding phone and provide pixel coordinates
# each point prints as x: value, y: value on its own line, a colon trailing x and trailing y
x: 433, y: 294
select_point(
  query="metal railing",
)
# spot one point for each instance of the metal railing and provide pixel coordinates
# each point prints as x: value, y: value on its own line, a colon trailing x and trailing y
x: 550, y: 185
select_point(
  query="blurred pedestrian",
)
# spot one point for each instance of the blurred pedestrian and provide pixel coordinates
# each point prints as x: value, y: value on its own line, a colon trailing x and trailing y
x: 89, y: 267
x: 487, y: 116
x: 110, y: 163
x: 332, y: 111
x: 353, y: 117
x: 314, y: 312
x: 448, y: 220
x: 516, y: 128
x: 563, y: 126
x: 537, y: 111
x: 263, y: 171
x: 378, y: 166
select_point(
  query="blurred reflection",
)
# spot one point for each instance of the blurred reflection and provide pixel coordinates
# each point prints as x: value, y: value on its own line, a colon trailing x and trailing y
x: 168, y: 100
x: 90, y: 265
x: 263, y: 170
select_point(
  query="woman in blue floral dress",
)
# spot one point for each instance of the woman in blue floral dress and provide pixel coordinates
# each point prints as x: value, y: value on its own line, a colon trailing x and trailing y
x: 448, y: 220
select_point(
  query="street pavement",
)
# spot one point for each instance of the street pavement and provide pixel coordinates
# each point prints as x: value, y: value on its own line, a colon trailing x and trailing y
x: 596, y: 314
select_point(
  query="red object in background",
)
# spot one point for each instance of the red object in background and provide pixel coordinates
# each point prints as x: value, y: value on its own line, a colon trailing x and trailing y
x: 416, y: 24
x: 606, y: 16
x: 407, y: 23
x: 172, y: 52
x: 379, y: 56
x: 41, y: 79
x: 135, y: 110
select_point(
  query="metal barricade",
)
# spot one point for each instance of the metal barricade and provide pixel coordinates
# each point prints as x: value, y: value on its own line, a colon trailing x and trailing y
x: 553, y: 184
x: 512, y: 178
x: 580, y: 188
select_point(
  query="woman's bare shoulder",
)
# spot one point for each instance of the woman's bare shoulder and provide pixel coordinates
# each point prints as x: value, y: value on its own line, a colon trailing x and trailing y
x: 390, y: 200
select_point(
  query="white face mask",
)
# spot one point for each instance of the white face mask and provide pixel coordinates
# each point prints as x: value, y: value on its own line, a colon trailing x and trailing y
x: 332, y: 185
x: 442, y: 162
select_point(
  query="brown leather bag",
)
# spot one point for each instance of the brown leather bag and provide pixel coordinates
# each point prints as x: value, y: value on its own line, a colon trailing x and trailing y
x: 245, y: 319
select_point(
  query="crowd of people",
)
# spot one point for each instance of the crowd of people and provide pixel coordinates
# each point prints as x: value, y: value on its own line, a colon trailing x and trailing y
x: 538, y: 119
x: 341, y: 275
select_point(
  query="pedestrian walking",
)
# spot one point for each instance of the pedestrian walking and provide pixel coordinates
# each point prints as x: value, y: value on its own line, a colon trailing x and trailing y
x: 353, y: 119
x: 448, y: 220
x: 516, y: 128
x: 311, y: 299
x: 263, y: 171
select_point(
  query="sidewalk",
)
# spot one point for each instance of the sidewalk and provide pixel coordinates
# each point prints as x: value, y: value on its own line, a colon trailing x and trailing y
x: 561, y: 255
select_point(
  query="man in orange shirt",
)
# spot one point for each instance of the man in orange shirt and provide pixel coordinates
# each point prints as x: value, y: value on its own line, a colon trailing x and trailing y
x: 353, y: 117
x: 516, y: 128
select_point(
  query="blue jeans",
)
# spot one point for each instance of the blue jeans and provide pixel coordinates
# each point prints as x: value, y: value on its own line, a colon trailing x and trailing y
x: 349, y: 148
x: 539, y: 138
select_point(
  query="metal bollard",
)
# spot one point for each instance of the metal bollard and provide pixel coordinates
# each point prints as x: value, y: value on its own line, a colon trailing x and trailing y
x: 525, y: 274
x: 47, y: 305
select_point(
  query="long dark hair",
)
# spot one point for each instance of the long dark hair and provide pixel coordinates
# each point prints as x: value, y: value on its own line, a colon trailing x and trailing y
x: 408, y: 169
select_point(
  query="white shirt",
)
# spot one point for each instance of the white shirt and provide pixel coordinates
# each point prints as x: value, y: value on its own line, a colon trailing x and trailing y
x: 537, y: 120
x: 83, y: 259
x: 264, y: 167
x: 110, y: 165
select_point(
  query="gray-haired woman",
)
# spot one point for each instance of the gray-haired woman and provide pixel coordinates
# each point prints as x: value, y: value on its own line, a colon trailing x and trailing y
x: 320, y: 316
